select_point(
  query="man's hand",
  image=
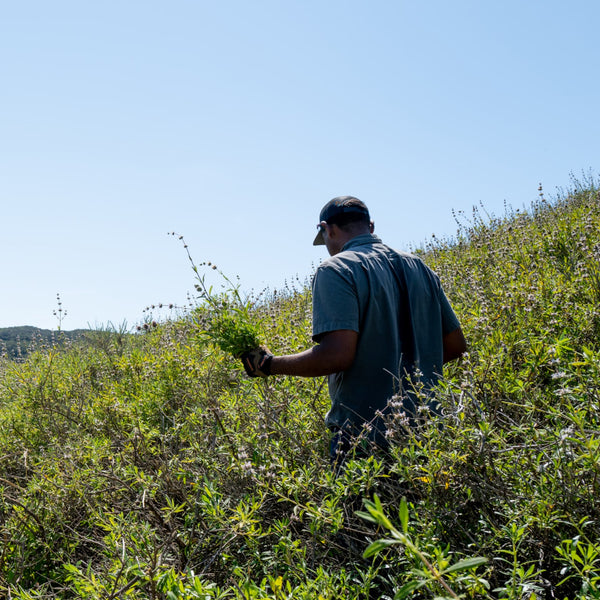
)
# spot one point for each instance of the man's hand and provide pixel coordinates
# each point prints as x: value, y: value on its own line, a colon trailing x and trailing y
x: 257, y: 362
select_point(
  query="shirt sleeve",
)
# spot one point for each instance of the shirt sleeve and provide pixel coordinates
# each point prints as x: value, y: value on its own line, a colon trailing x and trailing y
x: 335, y: 300
x: 450, y: 321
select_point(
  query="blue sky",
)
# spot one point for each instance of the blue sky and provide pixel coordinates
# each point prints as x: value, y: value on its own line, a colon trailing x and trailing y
x: 232, y: 123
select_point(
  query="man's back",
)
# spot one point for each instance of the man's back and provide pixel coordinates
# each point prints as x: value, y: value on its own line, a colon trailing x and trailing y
x: 398, y: 308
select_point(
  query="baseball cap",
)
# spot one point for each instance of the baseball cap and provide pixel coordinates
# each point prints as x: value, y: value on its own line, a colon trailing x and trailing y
x: 342, y: 205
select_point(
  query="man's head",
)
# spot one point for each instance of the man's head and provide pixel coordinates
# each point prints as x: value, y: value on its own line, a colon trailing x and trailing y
x: 340, y: 220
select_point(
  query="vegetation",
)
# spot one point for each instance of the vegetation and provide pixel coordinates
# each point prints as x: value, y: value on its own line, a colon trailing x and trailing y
x: 149, y: 466
x: 225, y: 319
x: 16, y: 342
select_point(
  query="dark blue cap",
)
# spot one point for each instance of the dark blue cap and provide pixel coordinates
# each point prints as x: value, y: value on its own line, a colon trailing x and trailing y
x: 342, y: 205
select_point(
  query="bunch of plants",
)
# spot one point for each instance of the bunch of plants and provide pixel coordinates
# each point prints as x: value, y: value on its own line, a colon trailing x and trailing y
x: 224, y: 318
x: 150, y: 466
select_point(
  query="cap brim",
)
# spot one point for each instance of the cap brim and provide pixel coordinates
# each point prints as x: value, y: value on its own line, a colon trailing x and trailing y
x: 319, y: 241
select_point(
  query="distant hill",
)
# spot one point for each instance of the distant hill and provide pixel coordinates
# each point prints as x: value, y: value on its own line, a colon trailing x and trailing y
x: 17, y: 342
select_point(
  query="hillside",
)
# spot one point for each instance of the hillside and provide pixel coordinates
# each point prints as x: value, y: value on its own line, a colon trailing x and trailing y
x: 17, y: 342
x: 150, y: 466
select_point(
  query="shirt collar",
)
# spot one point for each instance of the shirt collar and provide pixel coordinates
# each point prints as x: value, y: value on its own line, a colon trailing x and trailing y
x: 361, y: 240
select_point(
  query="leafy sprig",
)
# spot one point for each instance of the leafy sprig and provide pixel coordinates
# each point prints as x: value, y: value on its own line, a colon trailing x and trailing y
x: 226, y: 319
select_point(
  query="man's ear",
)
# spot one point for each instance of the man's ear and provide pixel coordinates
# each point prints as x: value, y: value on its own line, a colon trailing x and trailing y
x: 372, y: 226
x: 331, y: 229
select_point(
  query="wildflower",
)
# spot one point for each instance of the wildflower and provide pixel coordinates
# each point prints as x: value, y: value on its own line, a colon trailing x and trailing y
x: 563, y: 392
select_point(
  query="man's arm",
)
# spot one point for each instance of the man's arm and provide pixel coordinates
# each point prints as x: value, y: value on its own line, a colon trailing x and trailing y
x: 334, y: 353
x: 454, y: 345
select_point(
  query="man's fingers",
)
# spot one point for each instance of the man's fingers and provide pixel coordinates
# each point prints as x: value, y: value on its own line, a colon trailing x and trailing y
x: 257, y: 362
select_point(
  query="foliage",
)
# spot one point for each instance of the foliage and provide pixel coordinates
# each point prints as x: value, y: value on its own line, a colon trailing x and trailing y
x: 432, y: 575
x: 149, y: 466
x: 225, y: 319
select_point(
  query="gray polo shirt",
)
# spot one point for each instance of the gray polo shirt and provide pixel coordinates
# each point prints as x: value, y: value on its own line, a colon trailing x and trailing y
x: 397, y: 306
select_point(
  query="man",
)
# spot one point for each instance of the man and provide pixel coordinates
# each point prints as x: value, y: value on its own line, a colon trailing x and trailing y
x: 383, y: 327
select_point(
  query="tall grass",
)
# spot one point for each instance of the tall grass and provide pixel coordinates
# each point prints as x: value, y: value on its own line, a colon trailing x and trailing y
x: 150, y: 466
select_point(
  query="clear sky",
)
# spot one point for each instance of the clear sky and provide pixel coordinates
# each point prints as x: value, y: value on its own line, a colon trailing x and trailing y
x: 233, y: 122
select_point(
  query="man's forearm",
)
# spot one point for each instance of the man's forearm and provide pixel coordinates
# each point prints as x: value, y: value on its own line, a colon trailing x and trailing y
x: 335, y: 353
x: 454, y: 345
x: 304, y: 364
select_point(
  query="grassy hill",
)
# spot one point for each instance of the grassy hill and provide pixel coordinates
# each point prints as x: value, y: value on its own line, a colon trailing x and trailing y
x: 16, y: 342
x: 150, y: 466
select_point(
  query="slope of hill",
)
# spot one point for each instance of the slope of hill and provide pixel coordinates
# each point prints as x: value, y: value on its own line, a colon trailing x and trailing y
x: 17, y: 342
x: 149, y: 466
